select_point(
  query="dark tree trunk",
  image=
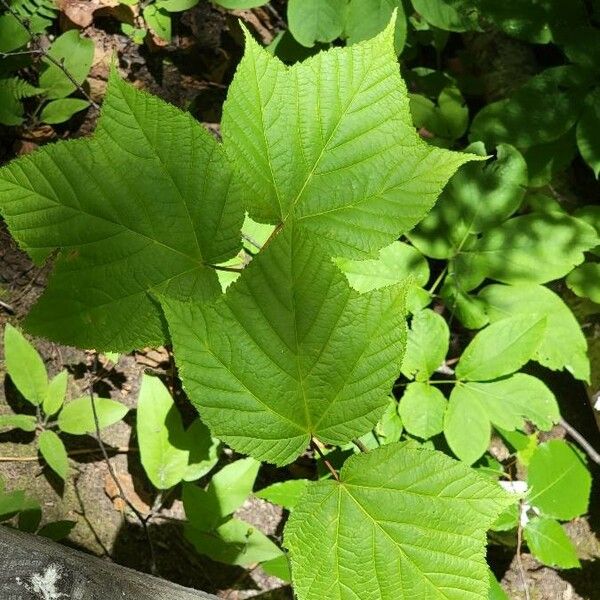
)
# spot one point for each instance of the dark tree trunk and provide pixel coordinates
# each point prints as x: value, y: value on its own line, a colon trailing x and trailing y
x: 34, y: 568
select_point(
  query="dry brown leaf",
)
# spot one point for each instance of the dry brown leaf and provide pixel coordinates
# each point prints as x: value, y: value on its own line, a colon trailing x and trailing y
x: 252, y: 18
x: 112, y: 491
x: 81, y: 12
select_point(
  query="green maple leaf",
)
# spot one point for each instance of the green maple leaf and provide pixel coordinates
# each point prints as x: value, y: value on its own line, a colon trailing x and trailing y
x: 291, y: 351
x: 329, y: 144
x: 401, y: 523
x: 145, y: 204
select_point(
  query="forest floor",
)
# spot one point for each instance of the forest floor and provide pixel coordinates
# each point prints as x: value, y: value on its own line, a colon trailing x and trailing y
x: 193, y: 73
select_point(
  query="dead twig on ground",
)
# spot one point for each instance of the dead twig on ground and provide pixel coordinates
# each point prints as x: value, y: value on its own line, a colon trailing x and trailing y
x: 76, y: 452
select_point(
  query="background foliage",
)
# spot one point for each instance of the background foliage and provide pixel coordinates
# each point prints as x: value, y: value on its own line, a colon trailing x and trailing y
x: 502, y: 272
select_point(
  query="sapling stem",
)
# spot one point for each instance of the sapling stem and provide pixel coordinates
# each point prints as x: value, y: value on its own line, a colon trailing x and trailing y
x: 318, y: 450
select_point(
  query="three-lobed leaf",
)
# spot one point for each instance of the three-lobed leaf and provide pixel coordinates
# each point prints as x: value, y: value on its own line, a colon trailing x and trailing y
x: 134, y: 198
x: 308, y: 139
x: 403, y: 522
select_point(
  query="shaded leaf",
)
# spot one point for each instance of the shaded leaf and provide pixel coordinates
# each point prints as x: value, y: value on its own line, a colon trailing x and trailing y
x: 563, y: 344
x: 226, y: 492
x: 541, y: 111
x: 59, y: 111
x: 30, y: 515
x: 469, y: 309
x: 23, y: 422
x: 534, y: 248
x: 57, y: 530
x: 445, y: 14
x: 11, y: 503
x: 75, y: 53
x: 204, y: 451
x: 235, y: 543
x: 584, y: 281
x: 313, y: 21
x: 477, y: 197
x: 501, y: 348
x: 587, y: 129
x: 366, y: 18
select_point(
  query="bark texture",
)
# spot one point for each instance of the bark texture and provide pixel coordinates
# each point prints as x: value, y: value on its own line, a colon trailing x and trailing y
x: 34, y: 568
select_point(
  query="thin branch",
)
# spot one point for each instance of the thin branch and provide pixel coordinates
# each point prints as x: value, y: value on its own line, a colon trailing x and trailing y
x: 32, y: 51
x: 592, y: 453
x: 519, y: 558
x: 47, y: 56
x: 316, y: 448
x: 437, y: 282
x: 77, y: 452
x: 143, y: 520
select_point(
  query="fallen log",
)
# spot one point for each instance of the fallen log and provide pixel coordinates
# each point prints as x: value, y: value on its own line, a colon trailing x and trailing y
x: 34, y: 568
